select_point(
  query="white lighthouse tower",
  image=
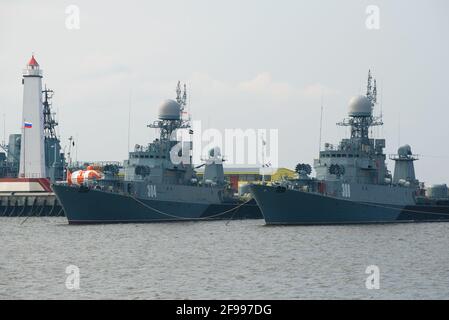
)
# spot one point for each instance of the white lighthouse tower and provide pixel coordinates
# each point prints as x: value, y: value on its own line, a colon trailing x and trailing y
x: 32, y: 152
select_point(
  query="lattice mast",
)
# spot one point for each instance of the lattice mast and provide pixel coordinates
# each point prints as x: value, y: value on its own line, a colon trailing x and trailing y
x: 168, y: 126
x: 50, y: 123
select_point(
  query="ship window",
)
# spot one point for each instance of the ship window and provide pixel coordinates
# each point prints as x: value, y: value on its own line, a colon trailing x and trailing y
x: 338, y: 155
x: 333, y: 155
x: 151, y: 157
x: 350, y: 155
x: 157, y: 157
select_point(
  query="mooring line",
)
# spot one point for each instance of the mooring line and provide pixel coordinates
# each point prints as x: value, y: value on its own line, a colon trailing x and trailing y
x: 185, y: 218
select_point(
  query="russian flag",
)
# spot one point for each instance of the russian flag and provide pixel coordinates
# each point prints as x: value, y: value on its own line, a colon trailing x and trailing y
x: 27, y: 125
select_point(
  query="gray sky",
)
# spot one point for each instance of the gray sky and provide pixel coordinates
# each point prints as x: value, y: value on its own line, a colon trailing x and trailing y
x: 248, y: 64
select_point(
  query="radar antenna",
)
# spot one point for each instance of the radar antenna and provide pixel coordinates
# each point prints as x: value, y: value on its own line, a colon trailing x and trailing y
x: 371, y: 89
x: 168, y: 126
x: 369, y: 84
x: 178, y: 93
x: 184, y: 96
x: 360, y: 124
x: 49, y: 116
x: 181, y: 96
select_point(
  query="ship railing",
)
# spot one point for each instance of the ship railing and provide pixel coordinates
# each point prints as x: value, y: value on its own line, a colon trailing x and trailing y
x: 401, y: 157
x: 80, y: 164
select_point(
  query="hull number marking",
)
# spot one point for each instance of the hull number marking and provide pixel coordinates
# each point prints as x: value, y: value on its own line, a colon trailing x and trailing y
x: 151, y: 191
x: 346, y: 190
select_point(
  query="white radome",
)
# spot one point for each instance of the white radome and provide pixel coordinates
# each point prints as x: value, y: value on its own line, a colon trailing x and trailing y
x: 360, y: 106
x: 405, y: 150
x: 170, y: 110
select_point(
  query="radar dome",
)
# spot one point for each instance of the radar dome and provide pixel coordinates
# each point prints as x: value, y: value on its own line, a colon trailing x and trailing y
x: 359, y: 106
x: 405, y: 151
x: 170, y: 110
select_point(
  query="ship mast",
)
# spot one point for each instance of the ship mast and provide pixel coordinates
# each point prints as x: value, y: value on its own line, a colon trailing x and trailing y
x: 49, y: 120
x: 371, y: 89
x: 181, y: 97
x: 168, y: 126
x: 361, y: 122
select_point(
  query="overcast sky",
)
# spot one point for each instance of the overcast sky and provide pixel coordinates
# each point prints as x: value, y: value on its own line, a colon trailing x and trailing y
x: 247, y: 64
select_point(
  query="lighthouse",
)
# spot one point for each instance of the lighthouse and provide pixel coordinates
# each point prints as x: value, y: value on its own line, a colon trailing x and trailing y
x: 32, y: 152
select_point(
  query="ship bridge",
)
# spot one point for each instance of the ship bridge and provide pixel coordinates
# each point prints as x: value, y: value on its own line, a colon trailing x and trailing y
x: 358, y: 158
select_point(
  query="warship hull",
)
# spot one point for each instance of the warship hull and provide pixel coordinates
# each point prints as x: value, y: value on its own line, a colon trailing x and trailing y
x: 90, y: 206
x: 282, y: 206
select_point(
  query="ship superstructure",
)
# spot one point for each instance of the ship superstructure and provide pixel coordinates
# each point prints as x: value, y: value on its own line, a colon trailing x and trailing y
x: 358, y: 158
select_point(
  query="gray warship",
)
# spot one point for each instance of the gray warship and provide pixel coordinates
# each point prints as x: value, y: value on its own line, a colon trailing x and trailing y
x: 154, y: 187
x: 352, y: 183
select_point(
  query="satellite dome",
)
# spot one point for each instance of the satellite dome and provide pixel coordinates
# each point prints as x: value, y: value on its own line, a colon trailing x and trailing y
x: 359, y: 106
x: 170, y: 110
x: 405, y: 151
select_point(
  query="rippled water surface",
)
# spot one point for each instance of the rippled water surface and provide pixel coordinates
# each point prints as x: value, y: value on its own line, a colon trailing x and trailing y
x: 216, y: 260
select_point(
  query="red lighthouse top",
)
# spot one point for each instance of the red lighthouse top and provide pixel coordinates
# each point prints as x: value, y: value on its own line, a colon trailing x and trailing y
x: 33, y: 62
